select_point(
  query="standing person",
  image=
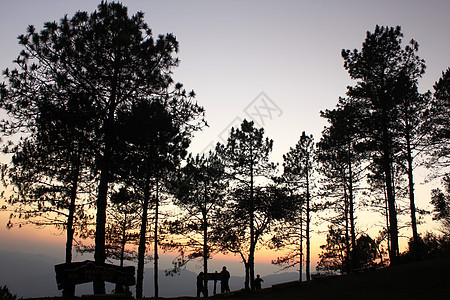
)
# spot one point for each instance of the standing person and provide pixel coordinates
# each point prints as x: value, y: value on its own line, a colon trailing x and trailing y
x: 200, y: 287
x: 258, y: 281
x: 225, y: 276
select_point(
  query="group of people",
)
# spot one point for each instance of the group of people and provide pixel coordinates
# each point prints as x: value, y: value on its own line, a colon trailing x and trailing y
x: 224, y: 279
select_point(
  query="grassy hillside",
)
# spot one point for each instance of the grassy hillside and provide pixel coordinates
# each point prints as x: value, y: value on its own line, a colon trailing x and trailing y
x: 422, y: 280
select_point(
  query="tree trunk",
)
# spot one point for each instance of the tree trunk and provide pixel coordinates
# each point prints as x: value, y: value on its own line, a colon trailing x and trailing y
x: 416, y: 246
x: 70, y: 231
x: 119, y: 289
x: 205, y: 243
x: 393, y: 227
x: 251, y: 260
x: 142, y: 242
x: 251, y: 257
x: 346, y: 260
x: 387, y: 160
x: 386, y: 209
x: 354, y: 254
x: 100, y: 230
x: 247, y: 276
x: 308, y: 242
x: 124, y: 240
x: 301, y: 247
x: 69, y: 290
x: 205, y: 253
x: 156, y: 241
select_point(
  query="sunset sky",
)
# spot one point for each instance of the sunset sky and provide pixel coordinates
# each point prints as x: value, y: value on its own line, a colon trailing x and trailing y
x: 277, y: 62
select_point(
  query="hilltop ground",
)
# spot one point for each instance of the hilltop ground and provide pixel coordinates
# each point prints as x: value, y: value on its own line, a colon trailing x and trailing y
x: 421, y: 280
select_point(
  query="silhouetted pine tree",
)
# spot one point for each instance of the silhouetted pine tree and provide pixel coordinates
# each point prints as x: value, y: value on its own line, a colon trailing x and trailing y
x: 156, y: 135
x: 437, y: 127
x: 342, y: 164
x: 200, y: 194
x: 50, y: 164
x: 110, y: 57
x: 440, y: 199
x: 378, y: 67
x: 246, y: 158
x: 298, y: 166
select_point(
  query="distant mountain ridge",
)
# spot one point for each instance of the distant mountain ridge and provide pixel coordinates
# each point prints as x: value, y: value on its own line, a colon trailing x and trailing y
x: 32, y: 275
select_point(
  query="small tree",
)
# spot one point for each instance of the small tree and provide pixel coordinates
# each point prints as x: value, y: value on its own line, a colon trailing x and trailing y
x: 437, y: 126
x: 5, y: 294
x: 333, y: 256
x: 289, y: 235
x: 200, y: 195
x: 273, y: 207
x: 123, y: 223
x: 246, y: 158
x: 441, y: 202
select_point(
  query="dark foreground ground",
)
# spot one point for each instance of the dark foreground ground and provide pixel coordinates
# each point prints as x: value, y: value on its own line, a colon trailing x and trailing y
x: 422, y: 280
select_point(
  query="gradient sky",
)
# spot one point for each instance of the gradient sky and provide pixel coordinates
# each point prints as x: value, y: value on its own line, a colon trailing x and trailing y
x: 232, y: 51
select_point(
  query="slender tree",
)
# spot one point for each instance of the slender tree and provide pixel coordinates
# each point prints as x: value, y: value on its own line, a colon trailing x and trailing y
x: 199, y: 192
x: 155, y: 135
x: 246, y: 158
x: 342, y: 165
x: 273, y: 207
x: 412, y: 108
x: 298, y: 162
x: 289, y: 235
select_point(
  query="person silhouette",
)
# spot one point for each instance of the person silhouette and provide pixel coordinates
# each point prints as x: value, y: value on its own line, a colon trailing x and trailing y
x: 224, y: 277
x: 200, y: 287
x: 258, y: 281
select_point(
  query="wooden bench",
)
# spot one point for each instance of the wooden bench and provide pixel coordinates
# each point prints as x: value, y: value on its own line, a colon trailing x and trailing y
x: 69, y: 275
